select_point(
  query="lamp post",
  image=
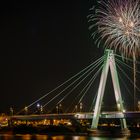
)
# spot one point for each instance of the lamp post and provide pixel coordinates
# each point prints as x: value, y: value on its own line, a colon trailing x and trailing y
x: 57, y: 109
x: 26, y: 110
x: 38, y: 108
x: 76, y: 108
x: 81, y: 107
x: 11, y: 111
x: 41, y: 109
x: 60, y: 108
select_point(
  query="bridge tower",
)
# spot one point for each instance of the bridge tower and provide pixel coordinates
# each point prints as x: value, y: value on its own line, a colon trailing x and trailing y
x: 109, y: 62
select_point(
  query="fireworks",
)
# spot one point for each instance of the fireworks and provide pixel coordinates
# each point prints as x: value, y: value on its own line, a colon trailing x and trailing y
x: 117, y: 23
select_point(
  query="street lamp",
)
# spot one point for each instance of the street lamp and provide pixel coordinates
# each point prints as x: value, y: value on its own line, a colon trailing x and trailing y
x: 76, y: 108
x: 26, y: 110
x: 57, y: 109
x: 81, y: 107
x: 41, y: 109
x: 60, y: 108
x: 38, y: 108
x: 38, y: 105
x: 11, y: 111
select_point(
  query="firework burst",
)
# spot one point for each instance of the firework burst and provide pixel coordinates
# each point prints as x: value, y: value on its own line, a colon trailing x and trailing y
x: 117, y: 23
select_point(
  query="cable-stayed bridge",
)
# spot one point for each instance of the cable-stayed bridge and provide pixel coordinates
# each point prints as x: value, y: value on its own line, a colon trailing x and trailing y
x: 80, y: 91
x: 84, y: 93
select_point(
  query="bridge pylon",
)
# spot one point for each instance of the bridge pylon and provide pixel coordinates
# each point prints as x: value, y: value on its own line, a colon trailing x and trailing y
x: 109, y: 62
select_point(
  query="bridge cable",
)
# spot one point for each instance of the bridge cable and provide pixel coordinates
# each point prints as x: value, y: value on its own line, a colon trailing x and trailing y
x: 86, y: 86
x: 61, y: 84
x: 90, y: 86
x: 68, y: 86
x: 123, y: 63
x: 127, y: 77
x: 91, y: 81
x: 77, y: 84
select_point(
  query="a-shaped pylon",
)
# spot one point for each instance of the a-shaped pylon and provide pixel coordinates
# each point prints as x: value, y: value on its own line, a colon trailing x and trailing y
x: 109, y: 62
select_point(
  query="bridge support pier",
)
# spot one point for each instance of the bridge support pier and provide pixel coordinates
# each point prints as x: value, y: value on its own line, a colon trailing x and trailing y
x: 109, y: 62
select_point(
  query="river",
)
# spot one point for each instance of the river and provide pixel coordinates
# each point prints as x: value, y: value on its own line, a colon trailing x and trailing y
x: 62, y: 137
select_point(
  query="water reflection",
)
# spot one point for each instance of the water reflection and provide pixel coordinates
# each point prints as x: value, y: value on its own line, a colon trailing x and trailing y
x: 107, y: 138
x: 47, y: 137
x: 58, y: 138
x: 79, y: 138
x: 7, y: 137
x: 25, y: 137
x: 41, y: 137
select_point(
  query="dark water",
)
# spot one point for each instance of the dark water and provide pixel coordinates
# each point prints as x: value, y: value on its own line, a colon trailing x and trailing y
x: 46, y: 137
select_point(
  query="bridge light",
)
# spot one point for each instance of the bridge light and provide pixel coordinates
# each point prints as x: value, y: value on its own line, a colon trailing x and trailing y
x: 57, y: 109
x: 38, y: 108
x: 118, y: 106
x: 38, y: 105
x: 81, y: 106
x: 124, y: 110
x: 26, y: 110
x: 41, y: 109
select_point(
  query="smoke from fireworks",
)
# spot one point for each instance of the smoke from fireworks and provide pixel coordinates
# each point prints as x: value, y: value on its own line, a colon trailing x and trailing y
x: 117, y: 23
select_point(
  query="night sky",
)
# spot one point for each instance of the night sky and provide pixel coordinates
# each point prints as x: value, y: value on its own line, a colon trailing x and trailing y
x: 42, y: 45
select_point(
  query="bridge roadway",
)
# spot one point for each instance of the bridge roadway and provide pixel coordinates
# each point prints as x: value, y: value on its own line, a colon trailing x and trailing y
x: 81, y: 115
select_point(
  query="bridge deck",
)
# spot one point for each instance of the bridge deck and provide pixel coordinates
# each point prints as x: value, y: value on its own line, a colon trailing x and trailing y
x: 84, y: 115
